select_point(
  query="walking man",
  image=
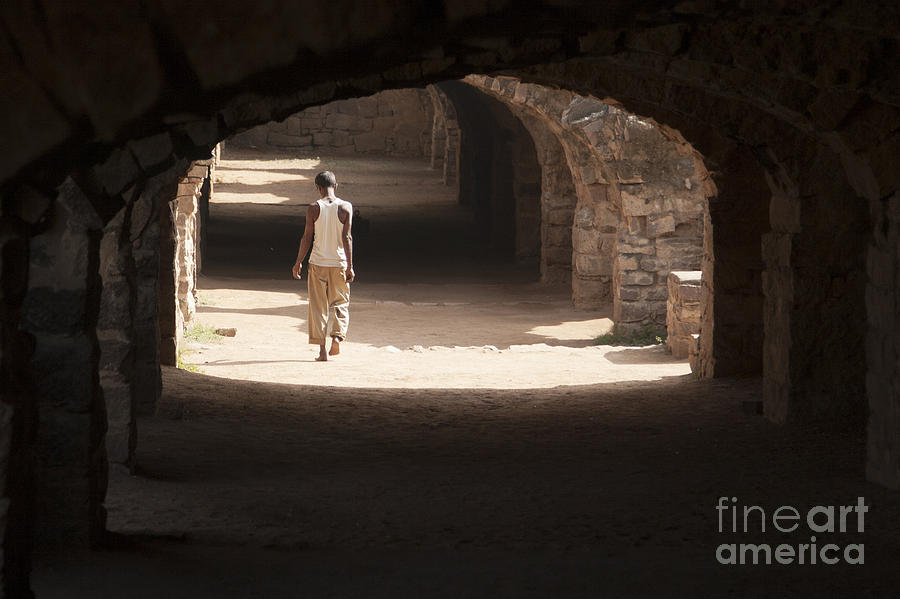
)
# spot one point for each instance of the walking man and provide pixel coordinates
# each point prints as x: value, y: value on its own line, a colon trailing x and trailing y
x: 328, y: 224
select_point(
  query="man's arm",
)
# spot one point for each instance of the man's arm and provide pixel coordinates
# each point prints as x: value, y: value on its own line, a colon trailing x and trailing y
x: 345, y: 214
x: 312, y: 213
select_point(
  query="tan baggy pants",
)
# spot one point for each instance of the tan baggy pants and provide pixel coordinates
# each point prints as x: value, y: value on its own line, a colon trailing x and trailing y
x: 329, y: 303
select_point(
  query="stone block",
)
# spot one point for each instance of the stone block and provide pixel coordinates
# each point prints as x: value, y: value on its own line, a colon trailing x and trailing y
x: 562, y: 236
x: 679, y: 346
x: 592, y: 293
x: 341, y: 139
x: 323, y: 138
x: 606, y: 218
x: 198, y: 171
x: 592, y: 265
x: 690, y: 312
x: 346, y: 107
x: 308, y: 123
x: 203, y: 133
x: 369, y: 142
x: 637, y: 311
x: 383, y: 124
x: 633, y: 244
x: 653, y: 264
x: 630, y: 293
x: 776, y: 249
x: 679, y: 249
x: 118, y: 404
x: 556, y: 273
x: 660, y: 225
x: 117, y: 173
x: 152, y: 150
x: 557, y: 255
x: 67, y: 364
x: 655, y: 293
x: 560, y: 216
x: 586, y: 241
x: 636, y: 277
x: 688, y: 293
x: 367, y: 107
x: 282, y: 140
x: 360, y: 124
x: 588, y: 174
x: 120, y: 444
x: 629, y: 261
x: 339, y: 121
x: 115, y: 352
x: 60, y: 311
x: 634, y: 204
x: 636, y: 225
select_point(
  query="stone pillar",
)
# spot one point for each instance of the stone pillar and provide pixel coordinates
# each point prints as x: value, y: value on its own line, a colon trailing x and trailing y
x: 116, y: 338
x: 883, y: 344
x: 593, y: 242
x: 438, y: 130
x: 145, y: 250
x: 778, y: 287
x: 22, y: 209
x: 168, y: 311
x: 179, y: 245
x: 451, y: 136
x: 206, y: 191
x: 187, y: 224
x: 731, y: 338
x: 814, y: 289
x: 60, y: 311
x: 451, y: 155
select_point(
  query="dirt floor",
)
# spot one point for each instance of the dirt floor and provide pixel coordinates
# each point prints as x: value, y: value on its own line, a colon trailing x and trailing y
x: 423, y: 463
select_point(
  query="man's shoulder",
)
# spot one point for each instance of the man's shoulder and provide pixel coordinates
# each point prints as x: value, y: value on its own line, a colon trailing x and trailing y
x: 344, y: 204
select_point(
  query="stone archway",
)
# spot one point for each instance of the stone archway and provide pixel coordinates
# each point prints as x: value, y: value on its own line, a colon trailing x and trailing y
x: 641, y: 192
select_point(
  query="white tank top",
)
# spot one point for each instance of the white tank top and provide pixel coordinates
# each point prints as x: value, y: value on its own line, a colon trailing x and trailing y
x: 328, y: 245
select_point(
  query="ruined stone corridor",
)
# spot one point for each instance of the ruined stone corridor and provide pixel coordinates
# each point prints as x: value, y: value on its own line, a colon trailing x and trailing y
x: 721, y: 174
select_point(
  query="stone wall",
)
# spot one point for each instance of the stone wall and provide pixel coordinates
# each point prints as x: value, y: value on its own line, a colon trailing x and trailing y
x: 393, y: 123
x: 60, y: 312
x: 683, y: 311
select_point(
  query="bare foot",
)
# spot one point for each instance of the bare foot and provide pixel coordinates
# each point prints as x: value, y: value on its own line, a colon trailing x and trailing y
x: 322, y: 357
x: 335, y: 347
